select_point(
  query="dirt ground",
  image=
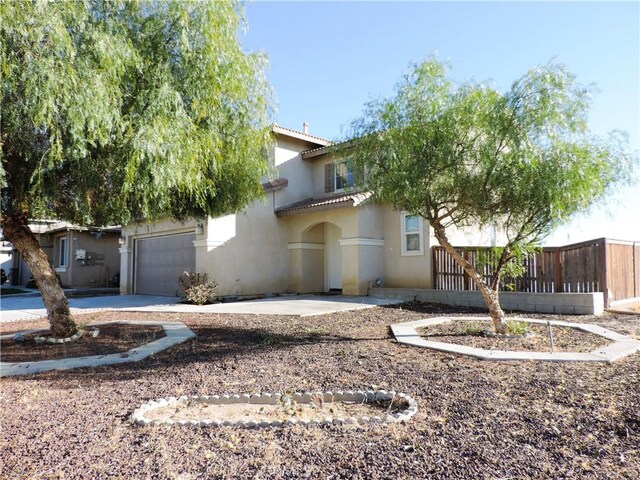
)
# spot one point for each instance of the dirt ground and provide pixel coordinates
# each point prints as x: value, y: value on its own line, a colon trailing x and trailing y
x: 315, y: 410
x: 112, y: 338
x: 475, y: 420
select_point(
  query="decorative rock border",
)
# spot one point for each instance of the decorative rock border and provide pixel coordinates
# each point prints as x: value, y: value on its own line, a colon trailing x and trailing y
x: 622, y: 345
x: 94, y: 333
x: 138, y: 416
x: 175, y: 333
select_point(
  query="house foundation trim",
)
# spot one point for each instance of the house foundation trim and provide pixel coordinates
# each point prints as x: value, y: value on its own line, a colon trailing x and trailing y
x: 305, y: 246
x: 361, y: 241
x: 208, y: 243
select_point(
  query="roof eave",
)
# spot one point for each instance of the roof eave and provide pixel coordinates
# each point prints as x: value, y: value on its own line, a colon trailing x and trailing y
x: 315, y: 208
x: 300, y: 135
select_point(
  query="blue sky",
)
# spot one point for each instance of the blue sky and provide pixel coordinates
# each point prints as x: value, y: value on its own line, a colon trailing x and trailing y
x: 328, y: 58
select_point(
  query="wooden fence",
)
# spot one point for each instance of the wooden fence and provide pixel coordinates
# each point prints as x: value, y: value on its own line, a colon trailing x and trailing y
x: 601, y: 265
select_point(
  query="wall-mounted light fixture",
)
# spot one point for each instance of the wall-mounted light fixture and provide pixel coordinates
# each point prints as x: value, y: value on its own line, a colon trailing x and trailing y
x: 199, y: 229
x: 121, y: 240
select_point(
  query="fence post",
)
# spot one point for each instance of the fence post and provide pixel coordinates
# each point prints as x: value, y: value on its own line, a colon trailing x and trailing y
x: 465, y: 275
x: 434, y: 268
x: 603, y: 266
x: 558, y: 287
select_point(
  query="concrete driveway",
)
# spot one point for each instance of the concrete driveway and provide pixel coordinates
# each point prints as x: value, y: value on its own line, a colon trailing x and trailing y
x: 24, y: 308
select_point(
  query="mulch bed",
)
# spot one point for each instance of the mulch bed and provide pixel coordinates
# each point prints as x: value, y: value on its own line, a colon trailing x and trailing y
x: 112, y: 338
x: 475, y: 420
x: 565, y: 339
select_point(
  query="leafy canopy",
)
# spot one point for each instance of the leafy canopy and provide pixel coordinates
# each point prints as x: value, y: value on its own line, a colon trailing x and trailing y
x: 121, y: 110
x: 467, y: 154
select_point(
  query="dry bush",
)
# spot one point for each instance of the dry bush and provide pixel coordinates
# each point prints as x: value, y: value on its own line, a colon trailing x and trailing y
x: 197, y: 288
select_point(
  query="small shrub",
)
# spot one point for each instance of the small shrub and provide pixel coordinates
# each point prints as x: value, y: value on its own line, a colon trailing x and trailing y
x: 317, y: 331
x: 517, y: 327
x: 474, y: 329
x: 197, y: 288
x: 270, y: 339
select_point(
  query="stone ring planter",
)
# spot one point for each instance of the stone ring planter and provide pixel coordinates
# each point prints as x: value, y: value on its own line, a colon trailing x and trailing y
x: 359, y: 397
x: 621, y: 346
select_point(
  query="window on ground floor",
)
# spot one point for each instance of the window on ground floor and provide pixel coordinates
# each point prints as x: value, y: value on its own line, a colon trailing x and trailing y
x: 62, y: 252
x: 412, y: 235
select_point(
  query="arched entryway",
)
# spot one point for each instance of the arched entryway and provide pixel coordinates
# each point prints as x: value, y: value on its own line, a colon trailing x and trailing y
x: 317, y: 259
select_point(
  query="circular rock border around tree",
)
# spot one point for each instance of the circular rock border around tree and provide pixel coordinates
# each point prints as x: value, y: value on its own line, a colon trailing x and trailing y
x: 621, y: 346
x: 175, y: 333
x: 369, y: 396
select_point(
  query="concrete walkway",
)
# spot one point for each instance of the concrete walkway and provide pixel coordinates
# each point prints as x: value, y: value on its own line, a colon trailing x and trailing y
x: 175, y: 333
x: 24, y: 308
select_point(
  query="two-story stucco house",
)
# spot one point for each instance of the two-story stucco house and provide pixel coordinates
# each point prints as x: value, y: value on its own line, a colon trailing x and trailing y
x: 311, y: 233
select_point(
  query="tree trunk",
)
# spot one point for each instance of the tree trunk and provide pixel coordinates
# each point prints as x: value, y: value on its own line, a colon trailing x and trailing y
x: 489, y: 294
x: 17, y: 231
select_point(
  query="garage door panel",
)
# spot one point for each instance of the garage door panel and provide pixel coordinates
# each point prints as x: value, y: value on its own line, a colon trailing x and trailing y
x: 161, y: 260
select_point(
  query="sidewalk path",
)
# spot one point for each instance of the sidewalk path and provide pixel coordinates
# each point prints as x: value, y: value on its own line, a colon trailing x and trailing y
x: 24, y: 308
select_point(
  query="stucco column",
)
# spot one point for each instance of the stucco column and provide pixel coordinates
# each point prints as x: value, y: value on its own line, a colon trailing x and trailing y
x: 362, y: 263
x: 126, y: 268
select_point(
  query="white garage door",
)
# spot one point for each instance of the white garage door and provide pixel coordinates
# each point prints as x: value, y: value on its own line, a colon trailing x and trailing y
x: 160, y: 261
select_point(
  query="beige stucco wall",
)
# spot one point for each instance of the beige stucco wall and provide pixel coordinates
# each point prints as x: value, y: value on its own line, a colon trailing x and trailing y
x: 246, y: 253
x: 399, y: 270
x: 298, y: 172
x: 99, y: 274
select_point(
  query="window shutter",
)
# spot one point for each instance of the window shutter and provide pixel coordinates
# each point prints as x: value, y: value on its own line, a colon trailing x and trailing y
x: 329, y: 174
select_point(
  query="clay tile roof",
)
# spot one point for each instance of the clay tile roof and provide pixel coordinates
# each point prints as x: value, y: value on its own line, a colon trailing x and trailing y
x: 277, y: 184
x: 315, y: 204
x: 318, y: 151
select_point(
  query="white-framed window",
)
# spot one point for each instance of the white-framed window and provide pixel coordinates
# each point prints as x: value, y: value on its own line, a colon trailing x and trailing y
x: 412, y: 235
x: 344, y: 176
x: 63, y: 252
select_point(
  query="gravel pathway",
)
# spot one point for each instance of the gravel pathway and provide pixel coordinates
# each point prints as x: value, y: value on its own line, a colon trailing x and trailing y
x: 475, y: 419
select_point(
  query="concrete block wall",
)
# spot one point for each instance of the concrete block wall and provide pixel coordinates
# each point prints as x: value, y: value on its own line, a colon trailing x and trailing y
x: 565, y: 303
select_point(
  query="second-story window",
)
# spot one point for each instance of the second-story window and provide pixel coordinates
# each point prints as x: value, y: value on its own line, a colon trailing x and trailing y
x: 344, y: 177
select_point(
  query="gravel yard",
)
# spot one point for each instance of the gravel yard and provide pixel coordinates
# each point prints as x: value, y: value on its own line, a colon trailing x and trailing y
x: 475, y: 419
x: 112, y: 338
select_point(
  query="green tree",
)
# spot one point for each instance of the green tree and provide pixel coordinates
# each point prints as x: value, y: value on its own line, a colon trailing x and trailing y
x: 468, y: 155
x: 114, y: 111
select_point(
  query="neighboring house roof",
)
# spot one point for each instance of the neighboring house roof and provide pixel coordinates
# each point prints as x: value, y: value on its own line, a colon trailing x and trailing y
x: 315, y: 204
x: 300, y: 135
x: 53, y: 227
